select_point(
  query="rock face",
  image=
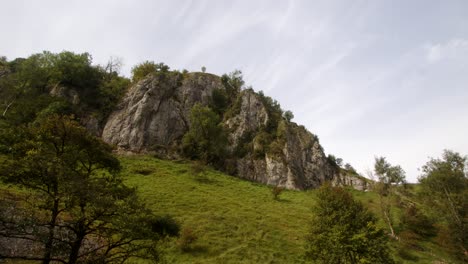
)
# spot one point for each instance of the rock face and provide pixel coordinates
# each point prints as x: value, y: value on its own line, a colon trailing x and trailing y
x: 348, y: 179
x: 154, y: 113
x: 298, y: 162
x: 153, y: 117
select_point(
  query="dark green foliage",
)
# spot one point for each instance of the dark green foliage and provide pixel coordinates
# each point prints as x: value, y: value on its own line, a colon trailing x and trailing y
x: 444, y: 189
x: 111, y: 91
x: 26, y: 87
x: 233, y: 82
x: 350, y: 169
x: 332, y: 160
x: 288, y: 115
x: 415, y: 221
x: 80, y: 210
x: 234, y: 108
x: 275, y: 113
x: 343, y: 231
x: 206, y: 139
x: 387, y: 173
x: 262, y: 143
x: 165, y: 226
x: 142, y: 70
x: 219, y: 101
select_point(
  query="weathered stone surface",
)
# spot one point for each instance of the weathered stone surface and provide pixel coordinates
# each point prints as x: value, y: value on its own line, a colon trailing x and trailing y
x: 71, y: 95
x: 251, y: 117
x: 355, y: 181
x: 301, y: 164
x: 153, y: 116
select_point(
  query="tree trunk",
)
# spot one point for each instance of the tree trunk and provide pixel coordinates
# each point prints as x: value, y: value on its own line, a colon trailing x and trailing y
x: 50, y: 238
x: 75, y: 248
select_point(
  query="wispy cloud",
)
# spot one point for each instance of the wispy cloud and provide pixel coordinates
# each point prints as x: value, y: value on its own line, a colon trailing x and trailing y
x: 451, y: 49
x: 367, y: 83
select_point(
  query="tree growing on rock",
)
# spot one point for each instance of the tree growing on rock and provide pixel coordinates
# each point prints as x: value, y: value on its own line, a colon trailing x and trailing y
x: 141, y: 70
x: 206, y: 139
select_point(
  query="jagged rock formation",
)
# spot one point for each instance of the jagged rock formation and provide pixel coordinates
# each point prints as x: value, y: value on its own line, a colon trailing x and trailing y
x: 298, y: 162
x: 153, y: 117
x: 154, y: 114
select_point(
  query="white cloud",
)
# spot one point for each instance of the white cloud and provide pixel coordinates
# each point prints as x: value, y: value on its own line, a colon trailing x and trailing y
x: 448, y: 50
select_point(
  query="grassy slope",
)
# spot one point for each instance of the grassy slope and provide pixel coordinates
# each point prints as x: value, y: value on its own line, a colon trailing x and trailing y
x: 236, y: 221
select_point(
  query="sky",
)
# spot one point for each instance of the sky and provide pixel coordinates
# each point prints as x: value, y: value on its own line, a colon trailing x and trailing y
x: 370, y: 78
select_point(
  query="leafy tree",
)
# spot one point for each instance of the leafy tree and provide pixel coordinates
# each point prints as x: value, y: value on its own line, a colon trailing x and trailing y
x: 343, y: 231
x: 26, y: 86
x: 288, y: 115
x: 141, y: 70
x: 333, y: 160
x: 206, y: 139
x: 203, y: 69
x: 233, y: 82
x: 387, y: 173
x: 350, y: 168
x: 219, y: 101
x: 444, y: 187
x: 79, y: 210
x: 389, y: 177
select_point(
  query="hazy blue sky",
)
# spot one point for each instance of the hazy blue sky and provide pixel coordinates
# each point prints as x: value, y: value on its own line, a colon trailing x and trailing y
x: 387, y: 78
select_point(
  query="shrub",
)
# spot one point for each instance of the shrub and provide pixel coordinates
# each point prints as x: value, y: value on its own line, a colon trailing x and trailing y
x: 276, y: 191
x: 186, y: 240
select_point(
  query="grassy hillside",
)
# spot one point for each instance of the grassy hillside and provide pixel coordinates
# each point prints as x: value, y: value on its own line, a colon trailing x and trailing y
x: 238, y: 221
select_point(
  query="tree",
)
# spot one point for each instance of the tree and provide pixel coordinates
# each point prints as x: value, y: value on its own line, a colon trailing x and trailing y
x: 78, y: 208
x: 444, y: 187
x: 141, y: 70
x: 343, y: 231
x: 206, y: 138
x: 388, y: 177
x: 203, y: 69
x: 288, y: 115
x: 233, y: 83
x: 350, y: 168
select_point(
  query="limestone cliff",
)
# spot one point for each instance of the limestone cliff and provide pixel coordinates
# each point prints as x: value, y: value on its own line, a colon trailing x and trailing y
x: 153, y: 117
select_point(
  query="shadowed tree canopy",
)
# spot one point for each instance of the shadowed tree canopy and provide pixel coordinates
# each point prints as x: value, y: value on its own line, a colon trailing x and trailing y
x: 77, y: 208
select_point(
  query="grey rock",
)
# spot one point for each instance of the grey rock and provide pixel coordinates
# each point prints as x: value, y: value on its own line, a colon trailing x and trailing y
x: 153, y: 116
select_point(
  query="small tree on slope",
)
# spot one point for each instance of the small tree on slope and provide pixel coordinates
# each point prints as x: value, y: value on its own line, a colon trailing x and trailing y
x: 343, y: 231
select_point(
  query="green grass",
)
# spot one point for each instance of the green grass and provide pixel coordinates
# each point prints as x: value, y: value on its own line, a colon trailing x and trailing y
x: 237, y: 221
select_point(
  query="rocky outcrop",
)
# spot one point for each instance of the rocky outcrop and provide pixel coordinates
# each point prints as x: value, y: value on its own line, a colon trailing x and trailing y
x: 71, y: 95
x: 294, y: 160
x: 251, y: 115
x: 350, y: 179
x: 153, y: 116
